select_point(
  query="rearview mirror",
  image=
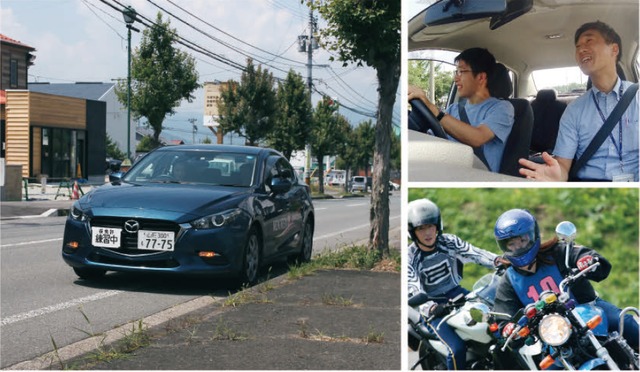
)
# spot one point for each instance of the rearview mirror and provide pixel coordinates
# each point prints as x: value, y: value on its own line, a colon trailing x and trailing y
x: 450, y: 11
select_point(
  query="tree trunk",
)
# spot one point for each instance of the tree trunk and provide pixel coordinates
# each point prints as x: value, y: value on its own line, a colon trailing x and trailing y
x: 388, y: 78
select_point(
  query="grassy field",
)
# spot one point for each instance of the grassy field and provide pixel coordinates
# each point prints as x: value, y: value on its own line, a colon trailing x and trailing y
x: 606, y: 220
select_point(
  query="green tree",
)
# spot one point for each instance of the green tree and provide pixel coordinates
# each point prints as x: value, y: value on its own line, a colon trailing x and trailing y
x: 368, y: 31
x: 162, y: 76
x: 292, y: 126
x: 419, y: 75
x: 328, y: 135
x: 249, y: 107
x: 113, y: 151
x: 365, y: 139
x: 147, y: 143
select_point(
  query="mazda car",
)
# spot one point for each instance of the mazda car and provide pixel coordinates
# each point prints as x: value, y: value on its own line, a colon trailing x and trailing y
x: 218, y: 210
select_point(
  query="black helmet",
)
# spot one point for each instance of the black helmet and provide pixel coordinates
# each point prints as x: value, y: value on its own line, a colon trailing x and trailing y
x: 423, y: 212
x: 514, y: 223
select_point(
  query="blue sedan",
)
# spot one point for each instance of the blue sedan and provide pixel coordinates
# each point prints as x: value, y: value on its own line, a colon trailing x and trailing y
x: 205, y: 209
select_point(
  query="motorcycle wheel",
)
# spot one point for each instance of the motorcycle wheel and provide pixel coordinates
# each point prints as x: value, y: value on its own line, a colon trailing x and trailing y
x: 431, y: 360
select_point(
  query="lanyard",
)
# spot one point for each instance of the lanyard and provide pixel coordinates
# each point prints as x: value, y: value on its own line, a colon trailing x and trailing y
x: 618, y: 149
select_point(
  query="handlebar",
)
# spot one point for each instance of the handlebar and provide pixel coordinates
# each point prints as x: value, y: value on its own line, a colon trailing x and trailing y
x: 572, y: 278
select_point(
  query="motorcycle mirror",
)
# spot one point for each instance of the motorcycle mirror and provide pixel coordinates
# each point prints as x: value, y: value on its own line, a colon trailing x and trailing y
x: 480, y: 313
x: 566, y: 231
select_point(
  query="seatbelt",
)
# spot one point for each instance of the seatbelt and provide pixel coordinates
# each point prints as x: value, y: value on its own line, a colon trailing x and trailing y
x: 464, y: 118
x: 604, y: 131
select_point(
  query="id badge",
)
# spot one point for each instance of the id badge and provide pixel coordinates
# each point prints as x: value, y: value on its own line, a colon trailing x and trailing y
x: 625, y: 177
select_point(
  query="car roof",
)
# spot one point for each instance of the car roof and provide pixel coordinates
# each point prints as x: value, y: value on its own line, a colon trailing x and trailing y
x: 539, y: 39
x: 221, y: 148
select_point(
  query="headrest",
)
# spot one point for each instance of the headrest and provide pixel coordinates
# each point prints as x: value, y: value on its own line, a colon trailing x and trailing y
x: 546, y: 95
x: 500, y: 83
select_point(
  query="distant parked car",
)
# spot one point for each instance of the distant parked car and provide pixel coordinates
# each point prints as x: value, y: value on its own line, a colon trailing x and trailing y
x: 174, y: 212
x: 358, y: 183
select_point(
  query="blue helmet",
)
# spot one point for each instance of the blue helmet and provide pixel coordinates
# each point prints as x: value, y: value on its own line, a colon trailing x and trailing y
x: 518, y: 223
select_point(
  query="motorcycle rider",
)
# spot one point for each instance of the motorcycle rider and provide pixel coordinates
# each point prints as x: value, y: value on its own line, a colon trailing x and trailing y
x: 435, y: 267
x: 537, y: 267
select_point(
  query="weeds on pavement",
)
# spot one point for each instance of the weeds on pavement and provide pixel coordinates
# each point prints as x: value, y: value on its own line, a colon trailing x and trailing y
x: 355, y: 257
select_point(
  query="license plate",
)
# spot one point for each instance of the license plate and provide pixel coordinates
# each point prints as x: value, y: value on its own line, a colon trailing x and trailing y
x: 156, y: 240
x: 105, y: 237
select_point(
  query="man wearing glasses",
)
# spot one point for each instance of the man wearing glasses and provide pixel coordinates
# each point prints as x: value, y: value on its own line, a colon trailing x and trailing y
x: 490, y: 119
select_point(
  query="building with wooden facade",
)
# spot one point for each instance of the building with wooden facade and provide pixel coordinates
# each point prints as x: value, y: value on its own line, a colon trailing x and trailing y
x: 60, y: 137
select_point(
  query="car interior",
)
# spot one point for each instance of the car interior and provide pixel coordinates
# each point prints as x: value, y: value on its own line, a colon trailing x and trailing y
x: 530, y: 35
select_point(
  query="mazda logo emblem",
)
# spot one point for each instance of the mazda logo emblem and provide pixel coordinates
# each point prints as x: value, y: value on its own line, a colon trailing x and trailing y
x: 131, y: 226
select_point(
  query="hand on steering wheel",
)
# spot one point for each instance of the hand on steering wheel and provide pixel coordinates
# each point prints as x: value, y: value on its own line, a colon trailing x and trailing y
x: 425, y: 119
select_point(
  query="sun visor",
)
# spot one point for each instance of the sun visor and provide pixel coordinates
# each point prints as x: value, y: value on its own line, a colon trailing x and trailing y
x: 449, y: 11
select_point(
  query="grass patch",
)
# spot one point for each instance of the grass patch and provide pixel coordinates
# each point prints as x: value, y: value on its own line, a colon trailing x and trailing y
x: 354, y: 257
x: 132, y: 340
x: 245, y: 297
x: 336, y: 300
x: 373, y: 337
x: 224, y: 332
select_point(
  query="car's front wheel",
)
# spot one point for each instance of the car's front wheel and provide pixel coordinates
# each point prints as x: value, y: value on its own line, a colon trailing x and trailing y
x: 306, y: 244
x: 89, y: 274
x: 251, y: 259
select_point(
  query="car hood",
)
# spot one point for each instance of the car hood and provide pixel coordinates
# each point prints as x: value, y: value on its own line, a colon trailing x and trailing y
x: 164, y: 201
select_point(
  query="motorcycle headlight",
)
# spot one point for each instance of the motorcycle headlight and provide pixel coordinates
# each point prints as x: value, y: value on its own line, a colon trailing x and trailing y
x: 76, y: 213
x: 554, y: 329
x: 216, y: 220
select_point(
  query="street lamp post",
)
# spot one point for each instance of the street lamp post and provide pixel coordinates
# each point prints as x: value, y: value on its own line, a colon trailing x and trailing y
x: 129, y: 14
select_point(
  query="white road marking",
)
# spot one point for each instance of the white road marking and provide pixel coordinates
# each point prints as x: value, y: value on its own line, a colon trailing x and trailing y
x: 61, y: 306
x: 31, y: 242
x: 356, y: 205
x: 347, y: 230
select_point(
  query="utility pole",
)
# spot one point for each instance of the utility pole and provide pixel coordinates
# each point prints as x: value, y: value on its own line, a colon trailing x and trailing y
x: 194, y: 130
x: 308, y: 44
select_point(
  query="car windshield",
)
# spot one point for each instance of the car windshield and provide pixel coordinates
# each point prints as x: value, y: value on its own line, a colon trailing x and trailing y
x: 197, y: 167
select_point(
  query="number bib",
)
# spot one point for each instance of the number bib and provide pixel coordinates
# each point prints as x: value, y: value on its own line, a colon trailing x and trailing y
x: 529, y: 287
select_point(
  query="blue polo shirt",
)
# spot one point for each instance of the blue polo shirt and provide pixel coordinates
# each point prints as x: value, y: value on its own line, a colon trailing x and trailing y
x: 580, y: 123
x: 498, y: 115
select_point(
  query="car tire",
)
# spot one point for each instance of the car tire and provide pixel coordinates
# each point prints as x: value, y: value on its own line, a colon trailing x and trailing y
x: 251, y: 258
x: 306, y: 243
x: 89, y: 274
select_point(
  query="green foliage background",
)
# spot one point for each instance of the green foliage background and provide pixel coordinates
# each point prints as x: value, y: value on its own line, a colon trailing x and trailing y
x: 606, y: 220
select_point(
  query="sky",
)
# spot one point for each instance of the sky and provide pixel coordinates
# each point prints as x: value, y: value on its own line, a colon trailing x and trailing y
x: 86, y: 40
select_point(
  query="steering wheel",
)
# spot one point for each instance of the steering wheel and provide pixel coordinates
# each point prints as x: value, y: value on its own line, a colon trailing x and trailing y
x: 424, y: 119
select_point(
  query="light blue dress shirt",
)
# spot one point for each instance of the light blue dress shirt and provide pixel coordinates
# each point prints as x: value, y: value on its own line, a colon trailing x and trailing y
x: 498, y: 115
x: 579, y: 125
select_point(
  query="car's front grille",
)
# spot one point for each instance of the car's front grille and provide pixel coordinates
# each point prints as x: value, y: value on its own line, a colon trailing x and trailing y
x: 130, y: 240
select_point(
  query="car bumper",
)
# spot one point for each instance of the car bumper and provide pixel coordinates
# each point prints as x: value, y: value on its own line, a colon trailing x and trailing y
x: 227, y: 244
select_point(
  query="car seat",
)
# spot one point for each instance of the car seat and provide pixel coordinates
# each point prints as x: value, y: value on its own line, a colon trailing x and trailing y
x: 547, y: 111
x: 517, y: 144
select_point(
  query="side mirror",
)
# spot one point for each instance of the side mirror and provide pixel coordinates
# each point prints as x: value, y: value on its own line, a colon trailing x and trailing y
x: 566, y: 231
x: 280, y: 185
x: 116, y: 178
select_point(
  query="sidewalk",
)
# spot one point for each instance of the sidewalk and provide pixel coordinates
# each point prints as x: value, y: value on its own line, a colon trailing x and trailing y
x: 333, y: 320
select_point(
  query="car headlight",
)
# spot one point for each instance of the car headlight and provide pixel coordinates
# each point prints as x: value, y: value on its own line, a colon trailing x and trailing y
x: 217, y: 220
x: 554, y: 329
x: 77, y: 214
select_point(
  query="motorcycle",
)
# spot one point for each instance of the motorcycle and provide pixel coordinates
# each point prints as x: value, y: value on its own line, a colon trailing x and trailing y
x: 555, y: 332
x: 480, y: 342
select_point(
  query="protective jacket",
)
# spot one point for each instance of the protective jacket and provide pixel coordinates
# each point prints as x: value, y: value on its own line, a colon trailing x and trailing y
x: 519, y: 288
x: 440, y: 271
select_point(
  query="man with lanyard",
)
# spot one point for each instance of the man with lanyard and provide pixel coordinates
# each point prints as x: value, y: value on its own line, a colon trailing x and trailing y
x: 490, y: 119
x: 598, y: 48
